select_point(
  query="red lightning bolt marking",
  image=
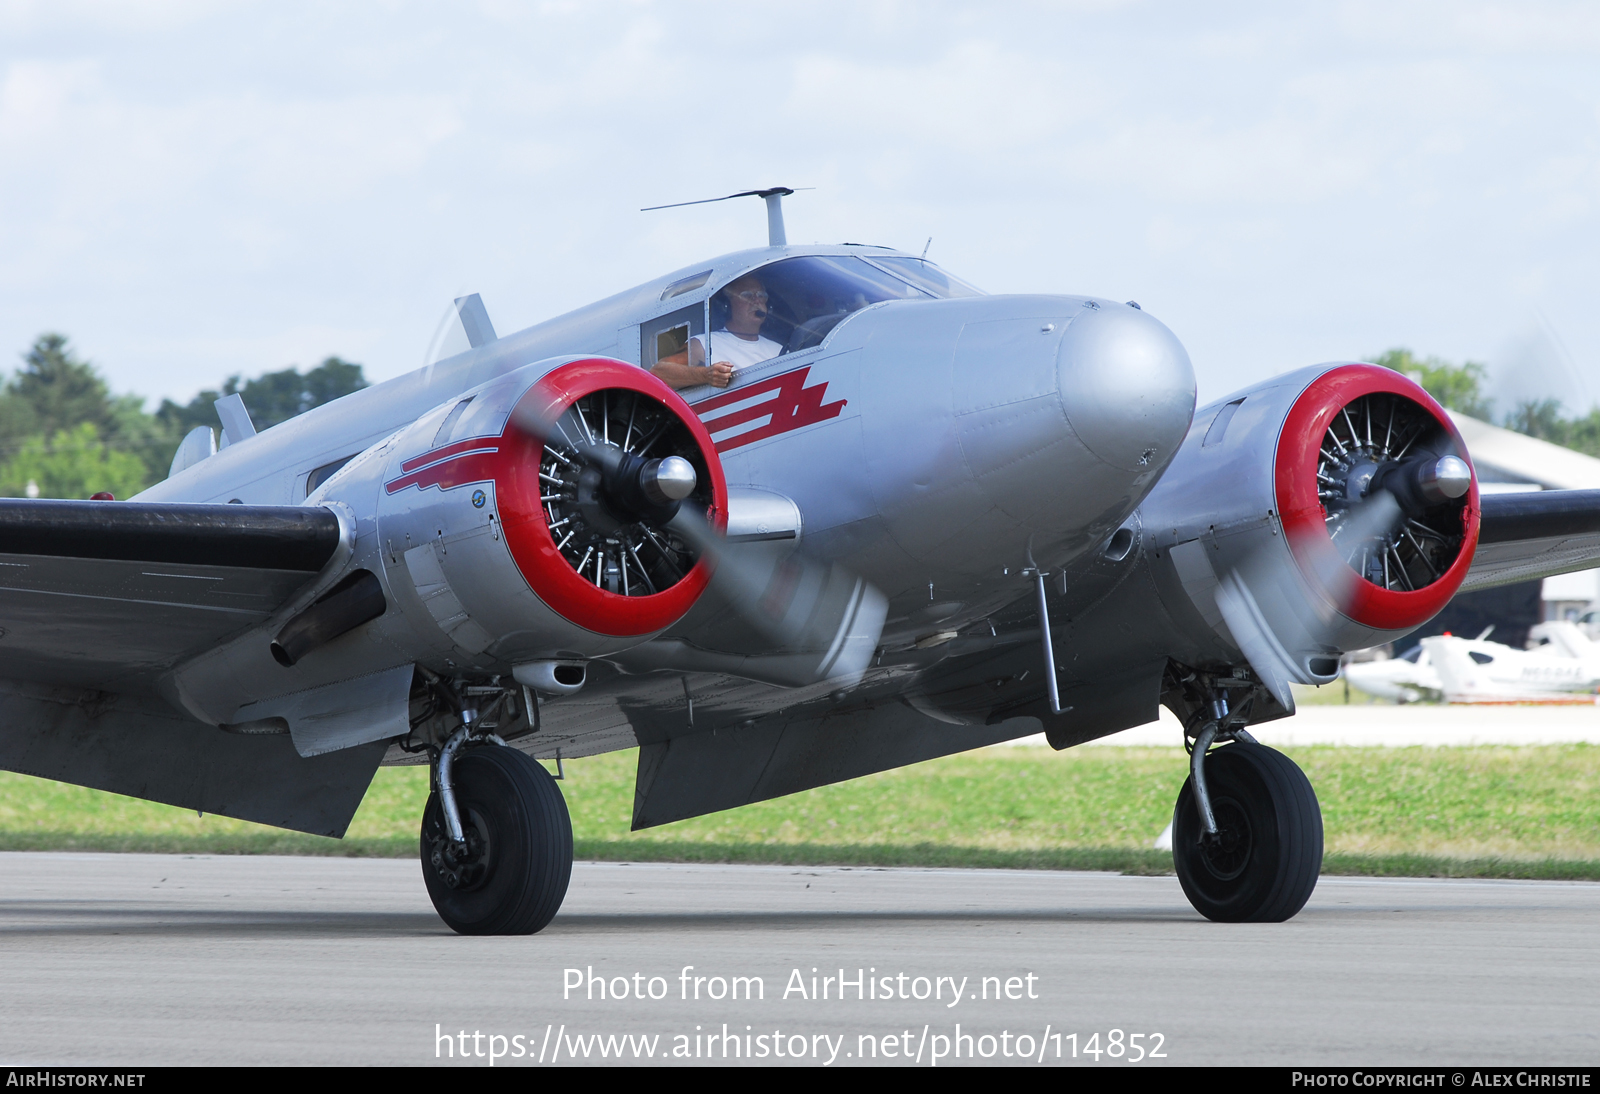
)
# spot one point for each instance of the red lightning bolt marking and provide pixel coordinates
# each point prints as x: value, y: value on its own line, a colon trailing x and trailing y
x: 792, y: 405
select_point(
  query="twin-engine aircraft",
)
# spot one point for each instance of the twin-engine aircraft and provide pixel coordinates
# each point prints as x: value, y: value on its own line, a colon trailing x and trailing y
x: 917, y: 519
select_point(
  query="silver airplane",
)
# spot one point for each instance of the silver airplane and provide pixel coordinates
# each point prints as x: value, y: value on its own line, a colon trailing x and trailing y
x: 927, y: 519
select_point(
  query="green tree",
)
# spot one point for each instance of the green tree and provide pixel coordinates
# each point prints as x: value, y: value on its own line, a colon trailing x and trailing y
x: 54, y: 392
x: 72, y: 463
x: 1543, y: 418
x: 1540, y: 418
x: 271, y: 398
x: 46, y: 405
x: 1458, y: 387
x: 1582, y: 434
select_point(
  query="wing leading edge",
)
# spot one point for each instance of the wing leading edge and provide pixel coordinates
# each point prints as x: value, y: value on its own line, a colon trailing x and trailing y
x: 106, y: 594
x: 1534, y: 535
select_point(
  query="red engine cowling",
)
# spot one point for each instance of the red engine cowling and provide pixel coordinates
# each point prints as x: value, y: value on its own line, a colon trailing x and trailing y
x: 1323, y: 511
x: 501, y: 545
x: 1349, y: 419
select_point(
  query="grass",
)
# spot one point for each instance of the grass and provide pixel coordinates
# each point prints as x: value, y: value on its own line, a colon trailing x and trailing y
x: 1339, y: 693
x: 1472, y: 812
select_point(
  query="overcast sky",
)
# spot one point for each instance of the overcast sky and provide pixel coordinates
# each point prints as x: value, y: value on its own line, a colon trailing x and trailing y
x: 192, y: 190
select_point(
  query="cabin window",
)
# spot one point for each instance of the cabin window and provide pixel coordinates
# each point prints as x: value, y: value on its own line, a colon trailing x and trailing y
x: 666, y: 337
x: 686, y: 284
x: 324, y: 473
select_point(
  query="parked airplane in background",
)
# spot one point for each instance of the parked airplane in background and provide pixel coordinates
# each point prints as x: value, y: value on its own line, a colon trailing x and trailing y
x: 1564, y: 667
x: 933, y: 519
x: 1409, y: 678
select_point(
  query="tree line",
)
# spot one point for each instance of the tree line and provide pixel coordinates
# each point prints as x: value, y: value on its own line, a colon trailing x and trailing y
x: 63, y: 434
x: 1460, y: 388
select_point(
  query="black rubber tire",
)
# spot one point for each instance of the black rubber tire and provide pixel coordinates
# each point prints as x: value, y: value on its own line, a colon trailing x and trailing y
x: 508, y: 800
x: 1270, y: 854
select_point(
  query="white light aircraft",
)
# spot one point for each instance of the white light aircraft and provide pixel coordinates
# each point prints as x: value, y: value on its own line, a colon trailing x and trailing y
x: 1563, y: 668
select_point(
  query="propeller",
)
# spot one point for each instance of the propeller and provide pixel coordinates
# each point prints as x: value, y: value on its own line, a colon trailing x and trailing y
x: 812, y: 608
x: 1367, y: 522
x: 1388, y: 523
x: 819, y: 611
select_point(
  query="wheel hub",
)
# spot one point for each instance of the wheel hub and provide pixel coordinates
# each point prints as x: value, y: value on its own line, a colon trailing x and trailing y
x: 463, y: 866
x: 1227, y: 852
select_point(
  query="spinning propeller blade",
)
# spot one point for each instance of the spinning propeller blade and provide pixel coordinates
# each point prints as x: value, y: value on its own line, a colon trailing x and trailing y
x: 813, y: 609
x: 1368, y: 521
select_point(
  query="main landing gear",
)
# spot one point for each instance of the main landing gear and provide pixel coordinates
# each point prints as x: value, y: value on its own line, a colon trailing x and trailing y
x: 1247, y: 830
x: 496, y: 838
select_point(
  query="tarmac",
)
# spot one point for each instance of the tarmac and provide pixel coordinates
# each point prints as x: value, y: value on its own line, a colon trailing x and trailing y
x: 131, y: 961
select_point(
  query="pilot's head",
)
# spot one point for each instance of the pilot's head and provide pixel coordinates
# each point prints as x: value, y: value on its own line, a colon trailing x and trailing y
x: 747, y: 304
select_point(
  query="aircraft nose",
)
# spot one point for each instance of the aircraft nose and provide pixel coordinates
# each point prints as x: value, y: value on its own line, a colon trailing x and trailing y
x: 1127, y: 386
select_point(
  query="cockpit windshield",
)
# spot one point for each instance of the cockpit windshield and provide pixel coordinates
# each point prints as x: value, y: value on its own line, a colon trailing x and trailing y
x: 925, y: 275
x: 809, y: 296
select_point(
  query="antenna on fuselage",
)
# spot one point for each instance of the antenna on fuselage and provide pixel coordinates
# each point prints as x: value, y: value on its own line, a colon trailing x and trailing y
x: 773, y: 196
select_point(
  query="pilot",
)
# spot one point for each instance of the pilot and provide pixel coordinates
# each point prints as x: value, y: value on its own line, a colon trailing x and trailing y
x: 738, y: 345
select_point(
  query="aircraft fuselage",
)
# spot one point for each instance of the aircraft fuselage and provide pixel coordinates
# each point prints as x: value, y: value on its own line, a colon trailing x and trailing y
x: 938, y: 447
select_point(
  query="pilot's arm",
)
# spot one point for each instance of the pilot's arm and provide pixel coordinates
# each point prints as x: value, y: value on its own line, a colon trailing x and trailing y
x: 686, y: 368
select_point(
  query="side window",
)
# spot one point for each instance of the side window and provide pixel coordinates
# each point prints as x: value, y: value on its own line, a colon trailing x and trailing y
x: 450, y: 420
x: 324, y: 473
x: 667, y: 336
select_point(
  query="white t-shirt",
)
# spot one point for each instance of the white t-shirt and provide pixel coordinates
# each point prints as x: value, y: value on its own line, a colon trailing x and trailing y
x: 738, y: 352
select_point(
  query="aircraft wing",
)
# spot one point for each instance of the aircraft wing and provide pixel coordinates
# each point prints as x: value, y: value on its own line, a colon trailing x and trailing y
x: 1534, y: 535
x: 105, y: 594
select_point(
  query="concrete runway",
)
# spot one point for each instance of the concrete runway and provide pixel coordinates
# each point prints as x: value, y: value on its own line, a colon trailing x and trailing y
x: 149, y: 959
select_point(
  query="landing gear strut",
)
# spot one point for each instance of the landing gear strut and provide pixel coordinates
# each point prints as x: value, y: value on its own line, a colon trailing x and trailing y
x: 496, y: 839
x: 1247, y: 830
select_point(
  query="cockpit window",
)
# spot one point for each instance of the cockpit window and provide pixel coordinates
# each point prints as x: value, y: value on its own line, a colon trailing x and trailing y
x: 925, y: 275
x: 808, y: 297
x: 685, y: 284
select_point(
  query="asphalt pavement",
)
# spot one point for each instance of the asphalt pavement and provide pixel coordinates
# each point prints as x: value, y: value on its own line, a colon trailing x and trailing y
x: 138, y: 960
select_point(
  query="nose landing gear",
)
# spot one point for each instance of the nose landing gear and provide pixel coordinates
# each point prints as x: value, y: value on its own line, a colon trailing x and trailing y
x: 508, y: 873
